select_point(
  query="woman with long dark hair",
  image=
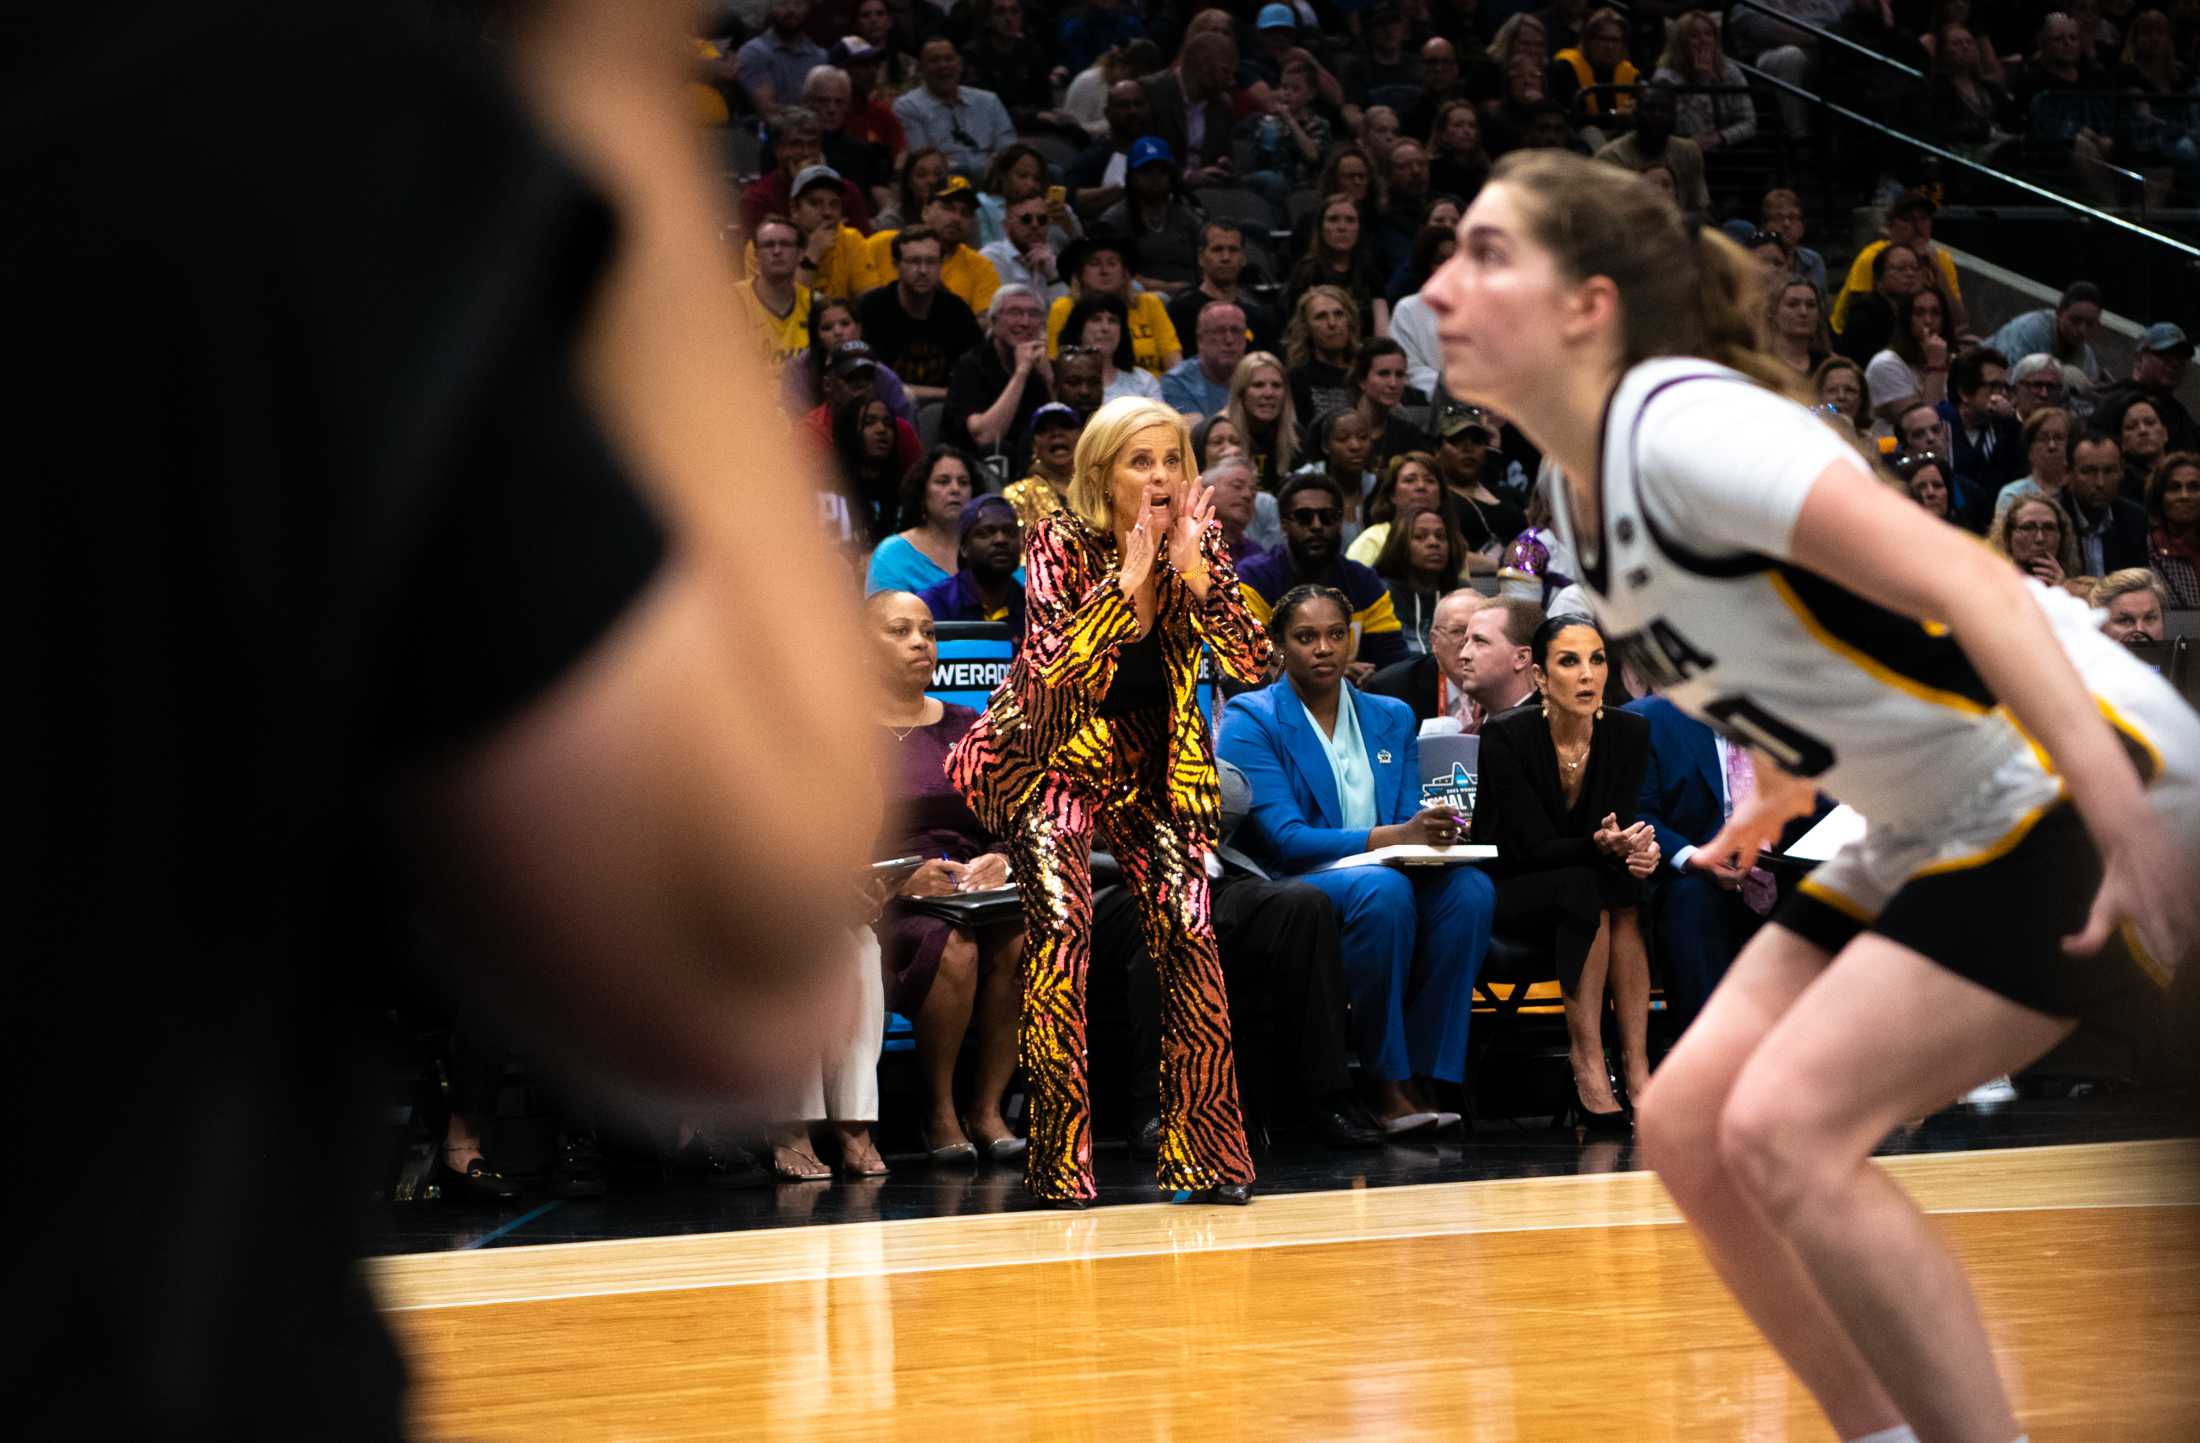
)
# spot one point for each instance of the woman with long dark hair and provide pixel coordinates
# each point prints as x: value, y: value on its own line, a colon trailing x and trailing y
x: 923, y: 171
x: 2173, y: 514
x: 1557, y: 799
x: 1420, y: 560
x: 1913, y: 369
x: 2018, y: 870
x: 1339, y: 254
x: 863, y: 447
x: 832, y: 321
x: 1097, y: 733
x: 1457, y: 163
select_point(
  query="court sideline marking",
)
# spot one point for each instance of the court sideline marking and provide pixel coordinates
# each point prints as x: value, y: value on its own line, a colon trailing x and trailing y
x: 2086, y: 1175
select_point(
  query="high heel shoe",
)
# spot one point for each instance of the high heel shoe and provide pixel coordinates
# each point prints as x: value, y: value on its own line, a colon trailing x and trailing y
x: 1227, y: 1194
x: 1580, y: 1115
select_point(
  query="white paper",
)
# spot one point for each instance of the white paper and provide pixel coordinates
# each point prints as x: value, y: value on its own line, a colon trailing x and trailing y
x: 1839, y: 827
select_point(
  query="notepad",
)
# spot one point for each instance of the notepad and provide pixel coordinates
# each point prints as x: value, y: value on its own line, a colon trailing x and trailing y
x: 1410, y: 855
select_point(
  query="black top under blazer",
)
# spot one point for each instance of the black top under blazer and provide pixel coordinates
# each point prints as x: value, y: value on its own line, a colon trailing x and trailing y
x: 1520, y: 807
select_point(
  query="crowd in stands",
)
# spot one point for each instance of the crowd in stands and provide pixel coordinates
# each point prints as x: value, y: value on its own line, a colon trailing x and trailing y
x: 965, y: 228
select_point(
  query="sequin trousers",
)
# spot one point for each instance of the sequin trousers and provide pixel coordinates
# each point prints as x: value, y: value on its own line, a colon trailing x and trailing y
x: 1105, y: 786
x: 1047, y: 774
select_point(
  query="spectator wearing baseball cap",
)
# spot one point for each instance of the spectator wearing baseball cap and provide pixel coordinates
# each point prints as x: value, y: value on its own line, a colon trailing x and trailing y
x: 2158, y: 367
x: 951, y: 214
x: 872, y: 86
x: 796, y: 144
x: 1154, y: 209
x: 1909, y: 223
x: 1054, y: 432
x: 833, y: 259
x: 987, y: 584
x: 852, y: 369
x: 1275, y: 36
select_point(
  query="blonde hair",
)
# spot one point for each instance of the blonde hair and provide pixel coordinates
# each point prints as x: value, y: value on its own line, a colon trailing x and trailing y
x: 1679, y: 33
x: 1684, y: 290
x: 1287, y: 420
x: 2124, y: 583
x: 1091, y: 492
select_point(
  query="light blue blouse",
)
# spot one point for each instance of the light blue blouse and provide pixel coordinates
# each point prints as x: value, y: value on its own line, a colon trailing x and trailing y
x: 897, y: 565
x: 1348, y: 762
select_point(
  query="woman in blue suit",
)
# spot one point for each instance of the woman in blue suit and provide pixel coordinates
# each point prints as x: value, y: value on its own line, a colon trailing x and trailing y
x: 1335, y: 771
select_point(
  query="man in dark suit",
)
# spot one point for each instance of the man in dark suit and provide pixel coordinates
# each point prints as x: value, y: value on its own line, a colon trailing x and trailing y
x: 1430, y: 681
x: 1191, y: 106
x: 2111, y: 528
x: 1983, y: 435
x: 1705, y: 908
x: 1283, y: 971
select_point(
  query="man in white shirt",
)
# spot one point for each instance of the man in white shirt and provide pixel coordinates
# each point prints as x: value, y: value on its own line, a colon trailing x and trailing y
x: 1413, y: 326
x: 969, y: 126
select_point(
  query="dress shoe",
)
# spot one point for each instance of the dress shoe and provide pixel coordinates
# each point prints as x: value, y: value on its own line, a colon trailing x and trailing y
x: 1578, y: 1115
x: 1346, y: 1124
x: 479, y: 1182
x: 1146, y: 1141
x: 1227, y: 1194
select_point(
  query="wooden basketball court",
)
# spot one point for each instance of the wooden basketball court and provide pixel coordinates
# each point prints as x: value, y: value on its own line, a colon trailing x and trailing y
x: 1552, y: 1308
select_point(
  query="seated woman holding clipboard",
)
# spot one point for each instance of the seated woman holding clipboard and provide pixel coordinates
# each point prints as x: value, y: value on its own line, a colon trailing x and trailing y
x: 1335, y: 772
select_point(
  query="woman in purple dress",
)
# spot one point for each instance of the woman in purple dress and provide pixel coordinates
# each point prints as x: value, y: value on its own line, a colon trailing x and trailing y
x: 942, y: 977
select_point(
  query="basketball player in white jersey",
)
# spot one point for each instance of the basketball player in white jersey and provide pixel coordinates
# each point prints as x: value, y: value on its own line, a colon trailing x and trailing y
x: 2032, y: 793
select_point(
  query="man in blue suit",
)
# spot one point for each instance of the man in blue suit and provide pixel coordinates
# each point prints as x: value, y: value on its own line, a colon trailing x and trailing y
x: 1705, y: 908
x: 1335, y: 772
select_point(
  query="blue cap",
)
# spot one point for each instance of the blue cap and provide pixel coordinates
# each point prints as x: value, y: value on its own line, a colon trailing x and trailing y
x: 1276, y: 17
x: 1147, y: 149
x: 2161, y: 336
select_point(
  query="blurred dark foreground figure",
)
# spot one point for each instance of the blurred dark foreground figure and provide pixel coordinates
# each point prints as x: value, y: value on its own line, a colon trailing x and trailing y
x: 368, y: 561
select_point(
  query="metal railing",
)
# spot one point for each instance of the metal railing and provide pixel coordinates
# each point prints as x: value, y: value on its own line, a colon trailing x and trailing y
x: 2187, y: 253
x: 1828, y: 37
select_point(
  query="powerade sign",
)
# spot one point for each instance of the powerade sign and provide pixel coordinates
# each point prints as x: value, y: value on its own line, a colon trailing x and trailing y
x: 974, y: 659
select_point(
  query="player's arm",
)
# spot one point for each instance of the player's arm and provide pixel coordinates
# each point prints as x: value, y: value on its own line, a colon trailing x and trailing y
x: 661, y: 850
x: 1889, y: 551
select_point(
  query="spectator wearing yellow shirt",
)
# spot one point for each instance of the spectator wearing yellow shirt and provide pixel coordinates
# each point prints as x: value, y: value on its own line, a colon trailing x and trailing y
x: 1101, y: 265
x: 771, y: 298
x: 834, y: 260
x: 951, y: 212
x: 1909, y: 223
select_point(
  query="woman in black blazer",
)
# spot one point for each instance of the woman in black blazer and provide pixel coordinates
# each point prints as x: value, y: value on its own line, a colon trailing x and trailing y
x: 1557, y: 797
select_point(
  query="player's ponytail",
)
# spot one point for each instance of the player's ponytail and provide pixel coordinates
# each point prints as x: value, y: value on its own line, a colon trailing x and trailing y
x: 1684, y: 290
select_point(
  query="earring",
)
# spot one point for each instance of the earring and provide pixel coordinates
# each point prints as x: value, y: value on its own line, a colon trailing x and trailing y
x: 1546, y: 711
x: 1600, y: 713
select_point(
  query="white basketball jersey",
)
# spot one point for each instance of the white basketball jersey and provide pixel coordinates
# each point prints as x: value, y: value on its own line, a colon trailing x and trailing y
x: 1703, y: 475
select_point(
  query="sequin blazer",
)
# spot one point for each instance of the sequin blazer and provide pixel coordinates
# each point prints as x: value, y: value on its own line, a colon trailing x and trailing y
x: 1076, y: 617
